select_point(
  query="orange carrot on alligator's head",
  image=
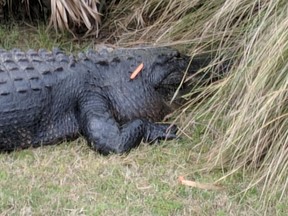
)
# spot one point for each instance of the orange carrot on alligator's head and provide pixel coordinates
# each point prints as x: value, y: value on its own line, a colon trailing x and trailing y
x: 136, y: 71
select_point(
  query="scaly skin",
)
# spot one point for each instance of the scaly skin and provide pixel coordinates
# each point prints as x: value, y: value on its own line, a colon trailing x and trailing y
x: 47, y: 97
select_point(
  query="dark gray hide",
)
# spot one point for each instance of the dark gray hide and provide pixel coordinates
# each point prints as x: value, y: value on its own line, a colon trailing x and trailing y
x: 47, y: 97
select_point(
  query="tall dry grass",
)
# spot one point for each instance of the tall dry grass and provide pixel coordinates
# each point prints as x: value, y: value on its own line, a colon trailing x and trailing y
x: 245, y: 113
x: 248, y: 108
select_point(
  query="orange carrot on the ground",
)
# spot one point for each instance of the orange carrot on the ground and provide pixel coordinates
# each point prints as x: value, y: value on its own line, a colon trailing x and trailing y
x: 136, y: 71
x: 199, y: 185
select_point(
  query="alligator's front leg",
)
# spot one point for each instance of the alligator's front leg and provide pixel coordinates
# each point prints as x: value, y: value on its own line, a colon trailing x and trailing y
x: 105, y: 135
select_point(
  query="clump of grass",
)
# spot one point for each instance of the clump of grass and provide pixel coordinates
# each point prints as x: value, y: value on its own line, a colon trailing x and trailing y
x: 149, y: 21
x: 249, y: 107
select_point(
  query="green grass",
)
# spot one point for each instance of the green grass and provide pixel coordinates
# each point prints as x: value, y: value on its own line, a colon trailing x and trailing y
x: 71, y: 179
x: 30, y: 37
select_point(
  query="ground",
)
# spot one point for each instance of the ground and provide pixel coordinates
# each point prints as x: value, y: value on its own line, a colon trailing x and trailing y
x: 71, y: 179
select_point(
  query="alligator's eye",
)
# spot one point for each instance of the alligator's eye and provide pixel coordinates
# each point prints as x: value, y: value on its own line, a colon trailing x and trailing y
x: 174, y: 78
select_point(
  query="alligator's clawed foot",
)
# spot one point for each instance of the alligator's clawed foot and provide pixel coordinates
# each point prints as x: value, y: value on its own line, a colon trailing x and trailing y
x: 156, y: 132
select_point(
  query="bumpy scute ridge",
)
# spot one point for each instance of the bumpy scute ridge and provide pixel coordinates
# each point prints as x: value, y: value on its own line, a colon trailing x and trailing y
x: 32, y: 70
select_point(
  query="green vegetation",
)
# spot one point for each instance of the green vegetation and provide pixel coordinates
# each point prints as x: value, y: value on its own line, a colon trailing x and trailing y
x: 234, y: 132
x: 71, y: 179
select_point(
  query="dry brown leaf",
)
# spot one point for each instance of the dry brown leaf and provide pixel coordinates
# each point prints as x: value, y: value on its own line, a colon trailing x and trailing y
x: 72, y: 9
x: 84, y: 16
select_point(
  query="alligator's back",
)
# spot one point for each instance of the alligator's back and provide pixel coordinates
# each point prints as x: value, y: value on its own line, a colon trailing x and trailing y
x: 30, y: 83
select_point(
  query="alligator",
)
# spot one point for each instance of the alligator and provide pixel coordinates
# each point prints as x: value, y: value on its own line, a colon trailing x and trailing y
x: 47, y: 97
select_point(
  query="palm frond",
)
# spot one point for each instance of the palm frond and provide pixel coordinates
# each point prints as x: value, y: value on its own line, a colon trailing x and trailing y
x: 72, y: 15
x: 79, y: 17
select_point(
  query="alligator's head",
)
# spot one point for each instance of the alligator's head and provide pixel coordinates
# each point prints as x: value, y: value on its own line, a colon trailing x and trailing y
x: 148, y: 95
x: 167, y: 72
